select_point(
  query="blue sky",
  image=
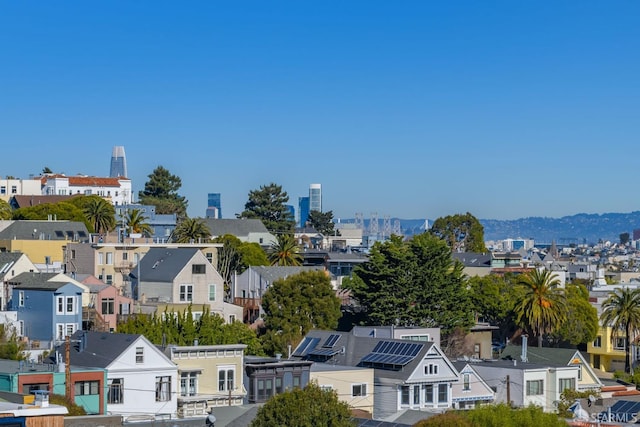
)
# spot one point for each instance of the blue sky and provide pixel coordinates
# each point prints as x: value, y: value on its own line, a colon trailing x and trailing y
x: 412, y: 109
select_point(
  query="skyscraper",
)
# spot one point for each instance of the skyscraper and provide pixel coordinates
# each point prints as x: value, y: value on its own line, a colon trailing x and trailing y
x: 118, y: 162
x: 303, y: 208
x: 214, y: 206
x: 315, y: 197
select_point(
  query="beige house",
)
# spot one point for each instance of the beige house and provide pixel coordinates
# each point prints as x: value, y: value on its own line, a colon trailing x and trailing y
x: 209, y: 376
x: 354, y: 385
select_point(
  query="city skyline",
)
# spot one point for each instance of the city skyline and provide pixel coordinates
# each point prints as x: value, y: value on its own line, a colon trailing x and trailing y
x: 413, y: 110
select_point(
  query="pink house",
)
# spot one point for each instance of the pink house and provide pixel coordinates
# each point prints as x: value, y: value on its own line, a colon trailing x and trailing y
x: 106, y: 304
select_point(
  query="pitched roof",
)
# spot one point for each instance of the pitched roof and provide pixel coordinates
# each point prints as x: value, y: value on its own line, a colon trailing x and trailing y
x: 45, y: 230
x: 273, y: 273
x: 163, y: 264
x: 473, y: 259
x: 19, y: 201
x: 543, y: 355
x: 88, y: 181
x: 38, y: 281
x: 235, y: 227
x: 99, y: 349
x: 7, y: 259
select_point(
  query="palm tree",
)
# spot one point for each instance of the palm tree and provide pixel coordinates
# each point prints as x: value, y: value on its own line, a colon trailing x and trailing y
x: 542, y: 307
x: 285, y: 251
x: 137, y: 223
x: 621, y: 311
x: 100, y: 214
x: 191, y: 230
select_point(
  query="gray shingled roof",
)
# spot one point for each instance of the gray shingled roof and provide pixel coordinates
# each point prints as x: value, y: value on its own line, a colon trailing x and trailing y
x: 100, y: 348
x: 473, y: 259
x: 7, y: 259
x: 33, y: 280
x: 235, y: 227
x: 163, y: 264
x: 273, y: 273
x: 543, y: 355
x: 45, y: 230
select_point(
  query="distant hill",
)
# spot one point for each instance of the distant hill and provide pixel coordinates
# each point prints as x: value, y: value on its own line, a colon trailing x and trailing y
x: 579, y: 228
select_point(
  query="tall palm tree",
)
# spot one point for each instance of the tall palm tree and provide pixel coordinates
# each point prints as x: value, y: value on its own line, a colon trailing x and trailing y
x: 542, y: 307
x: 137, y: 223
x: 100, y: 214
x: 621, y: 311
x: 191, y: 229
x: 285, y: 251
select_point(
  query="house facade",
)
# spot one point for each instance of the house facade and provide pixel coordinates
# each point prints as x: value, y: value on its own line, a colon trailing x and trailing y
x: 471, y: 390
x: 117, y: 190
x: 247, y: 230
x: 353, y: 385
x: 12, y: 264
x: 209, y: 376
x: 264, y: 377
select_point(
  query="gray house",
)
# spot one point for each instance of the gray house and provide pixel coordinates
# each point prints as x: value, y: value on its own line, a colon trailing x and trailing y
x: 247, y: 230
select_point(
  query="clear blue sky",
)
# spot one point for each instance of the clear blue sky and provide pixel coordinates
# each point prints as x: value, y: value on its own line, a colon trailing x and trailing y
x: 409, y: 109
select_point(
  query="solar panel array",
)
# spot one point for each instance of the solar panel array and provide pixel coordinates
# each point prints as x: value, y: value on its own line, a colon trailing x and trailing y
x: 392, y: 353
x: 331, y: 341
x: 623, y: 411
x: 305, y: 346
x: 327, y: 352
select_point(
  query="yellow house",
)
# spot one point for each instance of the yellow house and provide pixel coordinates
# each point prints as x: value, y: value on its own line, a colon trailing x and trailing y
x: 354, y: 385
x: 606, y: 352
x: 208, y: 376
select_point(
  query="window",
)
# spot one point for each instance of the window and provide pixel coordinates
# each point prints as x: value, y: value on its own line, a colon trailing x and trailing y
x: 279, y: 385
x: 59, y: 305
x: 619, y: 343
x: 535, y: 387
x: 100, y: 258
x: 186, y: 293
x: 296, y: 381
x: 225, y: 378
x: 3, y: 189
x: 14, y: 189
x: 404, y: 395
x: 416, y: 395
x: 59, y: 331
x: 358, y: 390
x: 598, y: 341
x: 108, y: 306
x: 30, y: 388
x: 20, y: 298
x: 188, y: 383
x: 212, y: 292
x: 125, y: 256
x: 70, y: 305
x: 232, y: 318
x: 443, y: 393
x: 465, y: 381
x: 431, y: 369
x: 209, y: 256
x: 139, y: 354
x: 566, y: 383
x: 70, y: 328
x: 86, y: 388
x: 109, y: 258
x: 115, y: 392
x: 87, y: 192
x: 428, y: 393
x: 163, y: 389
x: 20, y: 328
x: 265, y: 389
x: 198, y: 269
x: 109, y: 280
x: 415, y: 337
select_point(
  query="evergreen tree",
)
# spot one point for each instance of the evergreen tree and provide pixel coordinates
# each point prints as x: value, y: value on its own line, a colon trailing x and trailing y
x: 463, y: 233
x: 268, y: 204
x: 161, y: 191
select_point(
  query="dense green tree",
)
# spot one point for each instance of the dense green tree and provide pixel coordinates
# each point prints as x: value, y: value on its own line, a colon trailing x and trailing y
x: 11, y: 347
x: 583, y: 325
x: 136, y: 222
x: 268, y: 204
x: 463, y: 233
x: 413, y: 283
x: 191, y: 230
x: 100, y: 214
x: 322, y: 222
x: 542, y: 308
x: 161, y: 191
x: 5, y: 210
x: 180, y: 328
x: 445, y: 419
x: 621, y: 312
x: 308, y: 407
x: 74, y: 410
x: 236, y: 256
x: 285, y: 251
x: 295, y: 305
x: 60, y: 211
x: 503, y: 415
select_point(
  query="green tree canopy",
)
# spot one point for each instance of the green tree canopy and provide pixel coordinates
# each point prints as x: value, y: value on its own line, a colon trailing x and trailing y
x: 584, y: 323
x: 413, y: 283
x: 100, y: 213
x: 191, y: 230
x: 5, y: 210
x: 621, y: 312
x: 11, y: 347
x: 161, y: 191
x: 268, y: 204
x: 308, y: 407
x: 322, y: 222
x: 463, y: 233
x: 60, y: 211
x: 285, y: 251
x: 295, y: 305
x: 236, y: 256
x: 542, y: 308
x: 137, y: 223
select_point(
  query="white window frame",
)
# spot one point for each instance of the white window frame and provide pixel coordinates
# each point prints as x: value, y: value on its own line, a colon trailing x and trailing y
x: 538, y: 390
x: 225, y: 369
x: 71, y: 300
x: 616, y: 340
x: 359, y: 390
x: 431, y: 369
x: 20, y: 298
x: 186, y: 293
x: 212, y: 287
x: 188, y: 383
x: 163, y: 388
x: 60, y: 328
x: 60, y: 306
x: 70, y: 328
x: 466, y: 382
x: 139, y: 355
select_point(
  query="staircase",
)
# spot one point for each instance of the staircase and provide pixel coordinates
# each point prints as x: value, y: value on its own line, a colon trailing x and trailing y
x: 93, y: 321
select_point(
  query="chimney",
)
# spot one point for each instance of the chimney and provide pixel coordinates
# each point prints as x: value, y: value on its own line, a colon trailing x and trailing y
x: 278, y: 356
x: 523, y: 356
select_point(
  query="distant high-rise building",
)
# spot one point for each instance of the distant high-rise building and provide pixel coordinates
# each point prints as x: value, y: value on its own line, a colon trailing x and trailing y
x: 292, y: 211
x: 214, y: 206
x: 303, y: 208
x: 118, y: 162
x: 315, y: 197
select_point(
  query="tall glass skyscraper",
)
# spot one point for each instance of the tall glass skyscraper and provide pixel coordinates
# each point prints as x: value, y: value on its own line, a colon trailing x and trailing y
x: 303, y: 208
x: 315, y: 197
x: 118, y: 162
x: 214, y: 206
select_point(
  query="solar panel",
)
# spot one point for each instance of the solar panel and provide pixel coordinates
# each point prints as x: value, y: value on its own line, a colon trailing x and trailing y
x: 392, y: 353
x: 305, y: 346
x: 327, y: 352
x: 331, y: 341
x: 622, y: 411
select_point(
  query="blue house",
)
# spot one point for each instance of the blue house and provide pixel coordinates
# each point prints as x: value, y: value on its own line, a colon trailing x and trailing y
x: 49, y: 307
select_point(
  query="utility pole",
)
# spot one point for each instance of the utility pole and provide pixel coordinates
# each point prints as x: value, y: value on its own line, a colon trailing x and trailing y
x: 67, y: 366
x: 508, y: 391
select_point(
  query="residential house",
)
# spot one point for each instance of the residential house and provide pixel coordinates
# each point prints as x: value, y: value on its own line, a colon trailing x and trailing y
x: 210, y: 376
x: 348, y: 236
x: 587, y: 377
x: 412, y: 333
x: 12, y: 187
x: 162, y: 225
x: 247, y: 230
x: 407, y: 374
x: 12, y: 264
x: 42, y: 241
x: 105, y: 305
x: 141, y: 379
x: 183, y: 276
x: 264, y: 377
x: 49, y: 307
x: 471, y: 390
x: 249, y: 287
x: 354, y: 385
x: 28, y: 377
x: 115, y: 189
x: 476, y: 264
